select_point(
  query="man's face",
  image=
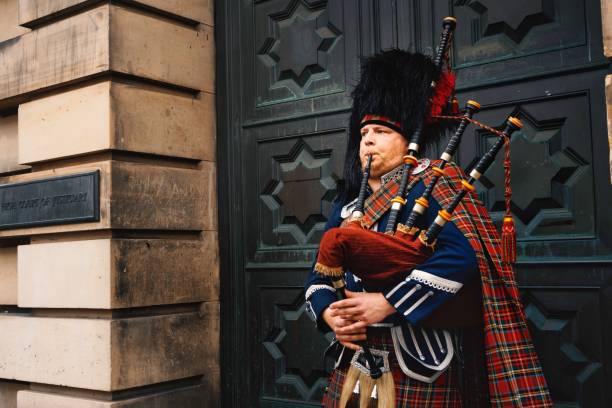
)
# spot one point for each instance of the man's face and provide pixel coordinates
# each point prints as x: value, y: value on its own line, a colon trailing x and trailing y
x: 386, y: 146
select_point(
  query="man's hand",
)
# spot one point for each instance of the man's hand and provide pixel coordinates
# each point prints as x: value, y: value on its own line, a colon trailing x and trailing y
x: 363, y: 309
x: 349, y: 318
x: 345, y: 337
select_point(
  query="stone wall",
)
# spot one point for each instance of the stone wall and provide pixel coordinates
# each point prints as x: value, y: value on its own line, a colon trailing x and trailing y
x: 122, y: 311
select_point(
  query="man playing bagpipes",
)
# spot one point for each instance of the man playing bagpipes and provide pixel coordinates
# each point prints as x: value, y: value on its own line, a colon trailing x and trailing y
x: 430, y: 313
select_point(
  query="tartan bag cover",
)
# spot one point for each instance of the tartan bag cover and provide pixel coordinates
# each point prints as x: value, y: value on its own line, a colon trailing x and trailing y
x: 514, y: 373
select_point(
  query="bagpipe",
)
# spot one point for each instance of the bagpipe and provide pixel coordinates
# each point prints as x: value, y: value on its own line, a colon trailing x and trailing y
x: 383, y: 259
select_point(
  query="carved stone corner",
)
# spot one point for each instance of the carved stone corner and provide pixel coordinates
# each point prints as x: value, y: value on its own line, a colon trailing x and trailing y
x: 606, y: 28
x: 609, y: 109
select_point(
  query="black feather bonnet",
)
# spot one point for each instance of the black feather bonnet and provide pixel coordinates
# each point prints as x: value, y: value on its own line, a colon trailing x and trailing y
x: 394, y: 88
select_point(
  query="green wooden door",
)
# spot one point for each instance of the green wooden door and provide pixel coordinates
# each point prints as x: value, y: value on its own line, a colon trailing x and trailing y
x: 285, y: 71
x: 542, y: 61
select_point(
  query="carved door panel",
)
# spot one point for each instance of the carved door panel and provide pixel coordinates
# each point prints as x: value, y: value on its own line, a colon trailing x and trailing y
x: 542, y: 62
x: 290, y: 75
x: 286, y: 69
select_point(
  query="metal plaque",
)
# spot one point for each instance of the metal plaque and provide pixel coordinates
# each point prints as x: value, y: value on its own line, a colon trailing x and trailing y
x: 57, y: 200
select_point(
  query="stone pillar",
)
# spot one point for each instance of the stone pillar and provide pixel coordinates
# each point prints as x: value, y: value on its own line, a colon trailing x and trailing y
x: 119, y: 310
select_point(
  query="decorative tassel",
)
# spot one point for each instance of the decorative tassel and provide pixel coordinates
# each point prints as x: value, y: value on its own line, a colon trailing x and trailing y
x: 379, y: 393
x: 353, y: 401
x: 348, y: 395
x: 508, y: 229
x: 361, y: 391
x: 367, y: 388
x: 386, y: 391
x: 509, y: 240
x: 373, y: 403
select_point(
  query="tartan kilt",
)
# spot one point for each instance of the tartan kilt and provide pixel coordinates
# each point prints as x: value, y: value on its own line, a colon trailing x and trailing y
x: 444, y: 392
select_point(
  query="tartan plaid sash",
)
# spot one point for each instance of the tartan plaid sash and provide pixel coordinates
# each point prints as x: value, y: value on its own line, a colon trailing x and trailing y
x: 379, y: 202
x: 514, y: 372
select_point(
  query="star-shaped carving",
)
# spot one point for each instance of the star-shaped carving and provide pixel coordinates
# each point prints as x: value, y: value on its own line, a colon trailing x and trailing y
x: 305, y: 181
x: 295, y: 53
x: 286, y: 343
x: 542, y: 170
x: 567, y: 368
x: 494, y: 17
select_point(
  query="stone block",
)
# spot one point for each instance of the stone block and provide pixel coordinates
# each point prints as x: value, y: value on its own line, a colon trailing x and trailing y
x: 606, y: 28
x: 65, y: 274
x: 108, y: 38
x: 33, y: 399
x: 139, y: 196
x: 9, y: 20
x: 150, y: 120
x: 211, y: 380
x: 189, y: 397
x: 162, y: 348
x: 117, y: 116
x: 151, y: 197
x: 197, y: 10
x: 65, y: 124
x: 118, y: 273
x: 106, y: 355
x: 8, y: 145
x: 8, y: 393
x: 155, y: 272
x: 154, y: 48
x: 211, y: 312
x: 68, y: 352
x: 60, y: 52
x: 8, y: 276
x: 31, y: 10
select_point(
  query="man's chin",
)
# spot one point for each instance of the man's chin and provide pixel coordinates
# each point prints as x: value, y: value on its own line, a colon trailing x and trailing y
x: 379, y: 172
x: 376, y: 173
